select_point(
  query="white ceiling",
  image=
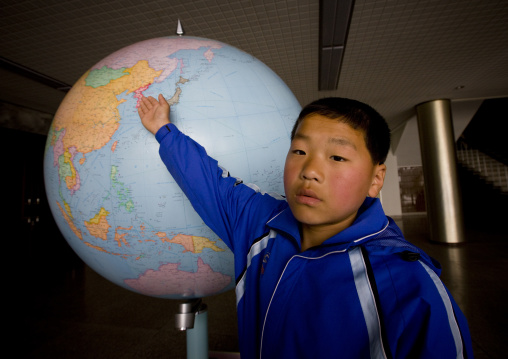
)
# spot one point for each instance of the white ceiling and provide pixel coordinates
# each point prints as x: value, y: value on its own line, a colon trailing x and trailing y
x: 399, y: 52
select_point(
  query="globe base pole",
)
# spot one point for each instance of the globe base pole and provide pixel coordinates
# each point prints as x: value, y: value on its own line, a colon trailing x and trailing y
x: 193, y: 318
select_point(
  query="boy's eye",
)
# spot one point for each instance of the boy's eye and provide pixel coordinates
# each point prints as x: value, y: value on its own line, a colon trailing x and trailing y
x: 337, y: 158
x: 299, y: 152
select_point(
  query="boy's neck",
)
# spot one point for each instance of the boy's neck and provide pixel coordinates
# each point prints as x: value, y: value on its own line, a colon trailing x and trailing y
x: 315, y: 235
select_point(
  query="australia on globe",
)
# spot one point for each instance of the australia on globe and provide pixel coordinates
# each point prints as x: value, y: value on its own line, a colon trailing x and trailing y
x: 109, y: 192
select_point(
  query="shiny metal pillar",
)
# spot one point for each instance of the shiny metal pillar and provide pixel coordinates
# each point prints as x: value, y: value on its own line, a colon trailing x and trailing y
x: 442, y: 193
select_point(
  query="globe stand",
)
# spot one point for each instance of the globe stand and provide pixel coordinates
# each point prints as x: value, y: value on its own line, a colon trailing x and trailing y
x: 193, y: 318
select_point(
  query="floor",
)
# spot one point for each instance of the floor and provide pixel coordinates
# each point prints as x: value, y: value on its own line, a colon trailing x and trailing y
x: 62, y: 309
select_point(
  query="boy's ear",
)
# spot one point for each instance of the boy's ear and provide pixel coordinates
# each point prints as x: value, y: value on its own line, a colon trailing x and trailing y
x: 378, y: 180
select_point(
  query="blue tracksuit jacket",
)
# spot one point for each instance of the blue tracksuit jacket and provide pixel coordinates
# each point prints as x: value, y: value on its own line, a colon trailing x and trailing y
x: 364, y: 293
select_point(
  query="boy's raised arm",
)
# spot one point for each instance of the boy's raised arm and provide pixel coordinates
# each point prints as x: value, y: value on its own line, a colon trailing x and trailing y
x: 153, y: 114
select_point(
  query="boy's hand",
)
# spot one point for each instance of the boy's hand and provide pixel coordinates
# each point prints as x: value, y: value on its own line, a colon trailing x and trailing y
x: 153, y: 114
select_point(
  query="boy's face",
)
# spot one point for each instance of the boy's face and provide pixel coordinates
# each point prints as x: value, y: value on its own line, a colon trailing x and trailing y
x: 328, y: 174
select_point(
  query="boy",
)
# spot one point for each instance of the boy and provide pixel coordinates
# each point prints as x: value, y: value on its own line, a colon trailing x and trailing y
x: 323, y: 273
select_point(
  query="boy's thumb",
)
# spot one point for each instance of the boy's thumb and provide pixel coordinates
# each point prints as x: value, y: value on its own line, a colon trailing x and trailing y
x: 161, y: 99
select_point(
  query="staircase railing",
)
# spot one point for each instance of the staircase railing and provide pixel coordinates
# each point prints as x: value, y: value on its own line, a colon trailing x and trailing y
x: 483, y: 165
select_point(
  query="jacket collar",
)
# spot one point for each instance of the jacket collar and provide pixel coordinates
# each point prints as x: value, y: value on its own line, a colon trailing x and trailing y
x: 370, y: 220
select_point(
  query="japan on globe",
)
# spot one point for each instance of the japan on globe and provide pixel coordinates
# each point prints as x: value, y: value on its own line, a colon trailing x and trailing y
x: 110, y: 194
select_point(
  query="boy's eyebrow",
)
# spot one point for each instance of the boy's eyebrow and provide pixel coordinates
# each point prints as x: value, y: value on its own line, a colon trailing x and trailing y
x: 342, y: 142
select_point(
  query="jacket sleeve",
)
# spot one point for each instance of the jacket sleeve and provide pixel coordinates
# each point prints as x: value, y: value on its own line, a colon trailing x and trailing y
x: 224, y: 203
x: 422, y: 318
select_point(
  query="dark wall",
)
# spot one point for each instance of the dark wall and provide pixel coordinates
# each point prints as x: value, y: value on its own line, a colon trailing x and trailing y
x: 35, y: 246
x: 487, y: 129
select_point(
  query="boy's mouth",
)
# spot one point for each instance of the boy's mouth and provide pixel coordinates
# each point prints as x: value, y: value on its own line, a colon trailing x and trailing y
x: 307, y: 197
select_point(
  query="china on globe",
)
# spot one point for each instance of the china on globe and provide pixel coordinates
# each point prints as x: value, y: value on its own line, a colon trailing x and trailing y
x: 109, y: 192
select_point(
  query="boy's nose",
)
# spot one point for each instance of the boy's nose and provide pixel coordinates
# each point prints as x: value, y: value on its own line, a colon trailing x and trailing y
x: 312, y: 170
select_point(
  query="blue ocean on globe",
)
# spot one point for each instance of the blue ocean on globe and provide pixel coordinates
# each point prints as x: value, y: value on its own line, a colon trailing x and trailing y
x: 110, y: 194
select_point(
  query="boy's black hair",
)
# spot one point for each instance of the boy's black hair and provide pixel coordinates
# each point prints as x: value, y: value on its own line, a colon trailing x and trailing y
x: 359, y: 116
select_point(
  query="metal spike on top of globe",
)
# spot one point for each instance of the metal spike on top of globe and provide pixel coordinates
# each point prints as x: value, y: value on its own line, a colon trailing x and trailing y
x: 179, y: 28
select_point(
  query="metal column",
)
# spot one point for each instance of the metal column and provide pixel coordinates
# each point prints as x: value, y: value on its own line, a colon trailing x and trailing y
x: 442, y: 193
x: 192, y: 316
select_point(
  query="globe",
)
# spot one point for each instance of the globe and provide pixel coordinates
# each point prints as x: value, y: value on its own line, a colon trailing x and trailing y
x: 109, y: 192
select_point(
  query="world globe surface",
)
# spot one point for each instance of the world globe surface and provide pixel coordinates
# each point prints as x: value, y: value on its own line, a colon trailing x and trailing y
x: 109, y: 192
